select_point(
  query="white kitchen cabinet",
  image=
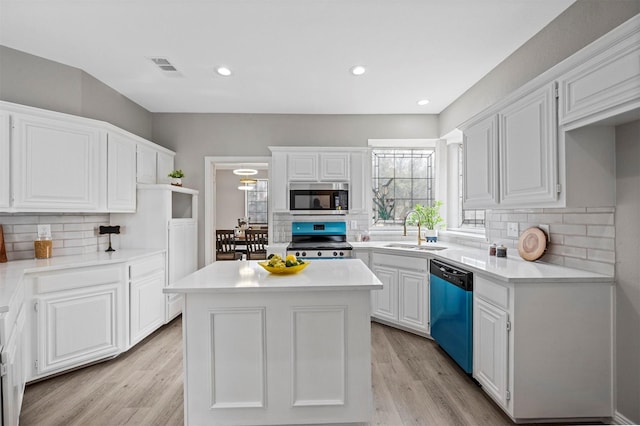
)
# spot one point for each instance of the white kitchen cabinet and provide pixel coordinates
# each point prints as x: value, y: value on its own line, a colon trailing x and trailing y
x: 164, y: 166
x: 5, y: 160
x: 13, y: 370
x: 166, y: 219
x: 79, y: 317
x: 404, y: 298
x: 607, y: 84
x: 528, y: 163
x: 279, y: 187
x: 360, y: 182
x: 58, y: 164
x: 510, y: 158
x: 146, y: 300
x: 529, y: 341
x: 490, y: 349
x: 121, y: 171
x: 384, y: 302
x: 147, y: 164
x: 481, y: 164
x: 302, y: 166
x: 334, y: 166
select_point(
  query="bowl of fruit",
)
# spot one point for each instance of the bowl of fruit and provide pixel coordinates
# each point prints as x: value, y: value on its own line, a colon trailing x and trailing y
x: 289, y: 265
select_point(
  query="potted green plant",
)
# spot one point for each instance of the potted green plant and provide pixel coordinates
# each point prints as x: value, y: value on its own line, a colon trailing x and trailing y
x: 176, y: 177
x: 429, y: 217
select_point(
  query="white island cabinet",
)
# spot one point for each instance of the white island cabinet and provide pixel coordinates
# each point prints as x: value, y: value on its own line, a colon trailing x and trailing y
x: 277, y: 349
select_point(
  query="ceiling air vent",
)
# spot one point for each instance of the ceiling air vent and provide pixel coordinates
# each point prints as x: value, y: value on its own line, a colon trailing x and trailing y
x: 165, y: 65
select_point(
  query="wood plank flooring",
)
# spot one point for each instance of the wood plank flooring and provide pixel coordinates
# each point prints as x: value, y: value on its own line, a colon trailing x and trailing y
x: 414, y: 383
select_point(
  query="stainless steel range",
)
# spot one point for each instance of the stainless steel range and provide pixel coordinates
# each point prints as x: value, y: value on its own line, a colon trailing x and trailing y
x: 319, y: 240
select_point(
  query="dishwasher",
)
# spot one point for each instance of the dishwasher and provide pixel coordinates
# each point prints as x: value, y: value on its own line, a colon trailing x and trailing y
x: 451, y: 311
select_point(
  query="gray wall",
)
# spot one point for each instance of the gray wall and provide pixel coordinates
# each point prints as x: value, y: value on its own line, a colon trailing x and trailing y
x: 30, y: 80
x: 195, y: 136
x: 628, y: 270
x: 582, y: 23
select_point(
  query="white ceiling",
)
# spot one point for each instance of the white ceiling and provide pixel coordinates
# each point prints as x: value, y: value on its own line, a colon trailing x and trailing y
x: 288, y: 56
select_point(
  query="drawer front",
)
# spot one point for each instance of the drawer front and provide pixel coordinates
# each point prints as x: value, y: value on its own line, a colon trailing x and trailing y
x: 147, y: 266
x: 491, y: 292
x: 77, y: 278
x: 401, y: 261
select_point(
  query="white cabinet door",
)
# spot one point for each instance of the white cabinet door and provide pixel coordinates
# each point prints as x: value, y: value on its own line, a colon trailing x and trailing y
x: 385, y: 301
x: 360, y: 187
x: 481, y: 164
x: 278, y: 187
x: 302, y: 167
x: 76, y: 327
x: 58, y: 165
x: 147, y: 164
x: 490, y: 346
x: 606, y: 85
x: 528, y: 150
x: 13, y: 383
x: 164, y: 167
x: 334, y: 166
x: 147, y: 306
x: 121, y: 167
x: 413, y: 299
x: 5, y: 159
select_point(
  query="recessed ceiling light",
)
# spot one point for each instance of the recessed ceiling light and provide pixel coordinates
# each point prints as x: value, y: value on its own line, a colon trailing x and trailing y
x: 358, y: 70
x: 223, y: 71
x: 423, y: 102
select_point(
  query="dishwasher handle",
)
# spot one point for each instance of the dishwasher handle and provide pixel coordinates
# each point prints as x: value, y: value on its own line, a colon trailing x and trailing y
x: 452, y: 274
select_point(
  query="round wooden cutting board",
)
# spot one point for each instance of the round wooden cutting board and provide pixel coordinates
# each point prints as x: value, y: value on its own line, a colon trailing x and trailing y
x: 532, y: 244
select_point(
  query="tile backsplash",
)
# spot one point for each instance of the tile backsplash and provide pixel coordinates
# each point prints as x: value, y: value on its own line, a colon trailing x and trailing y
x: 282, y: 224
x: 581, y: 238
x: 71, y: 233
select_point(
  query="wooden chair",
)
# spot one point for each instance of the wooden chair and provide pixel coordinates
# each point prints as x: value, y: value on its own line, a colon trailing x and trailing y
x: 226, y: 245
x: 256, y: 241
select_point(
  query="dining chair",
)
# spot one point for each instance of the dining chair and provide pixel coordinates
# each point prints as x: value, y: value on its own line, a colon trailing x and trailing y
x: 256, y: 243
x: 226, y: 245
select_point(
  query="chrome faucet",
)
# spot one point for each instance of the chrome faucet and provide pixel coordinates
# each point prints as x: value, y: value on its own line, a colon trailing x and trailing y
x: 404, y: 226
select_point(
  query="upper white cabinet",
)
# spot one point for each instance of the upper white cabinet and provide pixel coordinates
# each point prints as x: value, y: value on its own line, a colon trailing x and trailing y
x: 121, y: 166
x: 164, y: 166
x: 147, y: 164
x: 278, y: 187
x: 527, y: 147
x: 54, y: 162
x: 510, y: 157
x: 318, y: 167
x: 606, y: 85
x: 360, y: 183
x: 57, y: 164
x: 481, y: 164
x: 5, y: 160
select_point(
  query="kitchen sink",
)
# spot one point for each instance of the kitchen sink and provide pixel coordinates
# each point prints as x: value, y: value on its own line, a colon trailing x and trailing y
x: 424, y: 247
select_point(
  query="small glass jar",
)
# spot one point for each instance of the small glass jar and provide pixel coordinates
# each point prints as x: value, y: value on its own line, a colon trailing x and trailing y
x: 492, y: 249
x: 43, y: 248
x: 501, y: 251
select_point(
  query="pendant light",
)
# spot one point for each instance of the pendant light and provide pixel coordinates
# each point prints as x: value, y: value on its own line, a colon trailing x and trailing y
x: 245, y: 172
x: 247, y: 184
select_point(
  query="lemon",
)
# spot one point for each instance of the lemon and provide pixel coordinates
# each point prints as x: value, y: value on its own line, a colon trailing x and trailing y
x: 292, y: 258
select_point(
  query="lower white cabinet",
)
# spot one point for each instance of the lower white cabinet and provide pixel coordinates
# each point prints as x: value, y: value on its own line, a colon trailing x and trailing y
x: 543, y: 350
x: 13, y: 371
x: 404, y: 298
x: 146, y: 300
x: 183, y: 258
x: 79, y: 317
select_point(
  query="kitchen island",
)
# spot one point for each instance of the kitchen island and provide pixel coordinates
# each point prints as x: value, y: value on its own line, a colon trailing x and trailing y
x: 265, y: 349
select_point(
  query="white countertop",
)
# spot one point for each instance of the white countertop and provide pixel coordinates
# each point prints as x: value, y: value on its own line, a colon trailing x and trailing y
x: 12, y: 273
x: 242, y: 276
x: 510, y: 269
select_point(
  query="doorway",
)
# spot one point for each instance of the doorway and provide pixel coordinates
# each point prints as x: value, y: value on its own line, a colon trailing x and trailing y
x: 218, y: 170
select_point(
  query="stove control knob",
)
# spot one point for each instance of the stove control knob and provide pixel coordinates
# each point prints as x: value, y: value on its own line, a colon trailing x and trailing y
x: 341, y: 253
x: 304, y: 254
x: 319, y: 253
x: 297, y: 253
x: 335, y: 254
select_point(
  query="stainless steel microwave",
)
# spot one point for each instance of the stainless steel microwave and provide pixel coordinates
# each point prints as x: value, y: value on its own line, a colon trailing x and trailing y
x: 319, y: 198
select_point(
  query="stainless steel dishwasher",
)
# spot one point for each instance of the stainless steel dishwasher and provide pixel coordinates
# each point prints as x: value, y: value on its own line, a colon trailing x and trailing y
x: 451, y: 311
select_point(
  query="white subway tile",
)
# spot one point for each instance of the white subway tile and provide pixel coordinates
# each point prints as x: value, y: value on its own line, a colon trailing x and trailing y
x: 57, y: 227
x: 590, y: 218
x: 18, y: 220
x: 587, y: 265
x: 25, y: 229
x: 102, y: 219
x: 23, y: 246
x: 552, y: 258
x: 545, y: 218
x: 61, y: 219
x: 20, y: 255
x: 72, y: 227
x: 7, y: 229
x: 601, y: 209
x: 590, y: 242
x: 74, y: 243
x: 557, y: 239
x: 20, y: 237
x: 578, y: 252
x: 68, y: 251
x: 601, y: 255
x: 515, y: 217
x: 565, y: 210
x: 604, y: 231
x: 560, y: 228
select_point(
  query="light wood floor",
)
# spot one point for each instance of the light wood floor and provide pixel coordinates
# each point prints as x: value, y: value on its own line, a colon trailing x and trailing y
x: 414, y: 383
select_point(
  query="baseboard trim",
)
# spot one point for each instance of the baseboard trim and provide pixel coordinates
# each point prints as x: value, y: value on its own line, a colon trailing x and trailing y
x: 619, y: 419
